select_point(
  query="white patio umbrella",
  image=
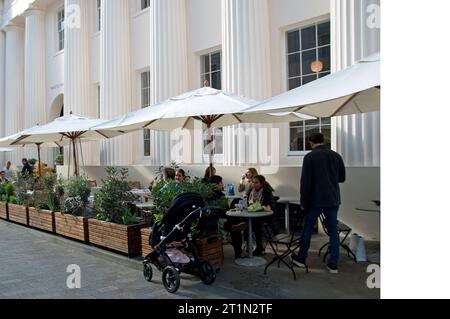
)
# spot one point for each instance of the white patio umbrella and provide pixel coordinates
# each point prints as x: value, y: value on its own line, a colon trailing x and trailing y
x: 350, y: 91
x: 65, y: 130
x: 12, y: 141
x: 214, y: 108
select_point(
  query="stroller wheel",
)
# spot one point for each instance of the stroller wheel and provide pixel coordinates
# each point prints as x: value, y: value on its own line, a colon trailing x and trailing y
x: 148, y: 271
x: 171, y: 279
x: 207, y: 272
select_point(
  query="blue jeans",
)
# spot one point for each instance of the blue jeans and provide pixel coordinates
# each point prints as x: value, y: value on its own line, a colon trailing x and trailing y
x: 331, y: 225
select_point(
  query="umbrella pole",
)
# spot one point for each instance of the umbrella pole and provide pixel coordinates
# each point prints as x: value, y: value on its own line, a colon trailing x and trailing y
x: 39, y: 159
x: 75, y: 164
x: 210, y: 150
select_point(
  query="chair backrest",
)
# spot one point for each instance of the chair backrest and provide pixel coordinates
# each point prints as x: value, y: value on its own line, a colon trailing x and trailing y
x: 91, y: 183
x: 324, y: 225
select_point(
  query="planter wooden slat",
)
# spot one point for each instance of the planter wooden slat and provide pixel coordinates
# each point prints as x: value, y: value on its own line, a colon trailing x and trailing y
x: 122, y: 238
x: 3, y: 211
x: 145, y: 235
x: 70, y: 226
x: 41, y: 219
x: 18, y: 214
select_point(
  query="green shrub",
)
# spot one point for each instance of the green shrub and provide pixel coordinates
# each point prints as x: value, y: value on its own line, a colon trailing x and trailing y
x: 112, y: 201
x: 12, y: 200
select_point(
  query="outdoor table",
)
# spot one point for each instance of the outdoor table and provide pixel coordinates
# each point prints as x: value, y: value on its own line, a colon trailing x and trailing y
x: 141, y: 193
x: 250, y: 261
x: 286, y: 201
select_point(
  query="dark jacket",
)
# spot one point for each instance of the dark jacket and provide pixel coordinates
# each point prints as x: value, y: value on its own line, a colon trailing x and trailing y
x: 268, y: 199
x: 27, y: 169
x: 323, y: 170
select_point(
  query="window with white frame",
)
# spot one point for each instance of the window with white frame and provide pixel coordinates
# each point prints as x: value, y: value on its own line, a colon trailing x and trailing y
x: 145, y: 4
x: 145, y: 102
x: 308, y: 59
x: 60, y: 29
x: 99, y: 15
x: 211, y: 71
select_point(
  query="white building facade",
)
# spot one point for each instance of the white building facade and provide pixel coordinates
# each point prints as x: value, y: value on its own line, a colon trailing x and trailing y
x: 103, y: 58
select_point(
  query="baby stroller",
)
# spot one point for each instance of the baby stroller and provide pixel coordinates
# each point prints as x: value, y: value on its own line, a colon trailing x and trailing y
x: 175, y: 227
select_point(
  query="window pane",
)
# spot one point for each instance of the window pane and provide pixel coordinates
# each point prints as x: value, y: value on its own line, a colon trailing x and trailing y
x: 326, y: 131
x: 293, y: 39
x: 326, y: 121
x: 308, y: 58
x: 323, y: 33
x: 215, y: 62
x: 205, y: 64
x: 147, y: 148
x: 296, y: 139
x: 309, y: 38
x: 321, y: 75
x: 294, y: 83
x: 294, y: 64
x: 309, y: 78
x: 325, y: 58
x: 216, y: 82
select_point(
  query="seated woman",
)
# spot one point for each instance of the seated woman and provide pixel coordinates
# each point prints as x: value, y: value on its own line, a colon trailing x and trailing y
x: 245, y: 185
x: 261, y: 192
x: 180, y: 175
x: 210, y: 172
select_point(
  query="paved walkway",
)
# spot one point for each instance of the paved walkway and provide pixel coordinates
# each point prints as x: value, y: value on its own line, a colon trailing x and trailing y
x: 33, y: 265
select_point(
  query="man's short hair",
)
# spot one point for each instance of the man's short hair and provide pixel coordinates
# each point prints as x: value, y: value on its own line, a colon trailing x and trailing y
x: 169, y: 173
x: 317, y: 138
x: 216, y: 179
x: 2, y: 172
x: 24, y: 160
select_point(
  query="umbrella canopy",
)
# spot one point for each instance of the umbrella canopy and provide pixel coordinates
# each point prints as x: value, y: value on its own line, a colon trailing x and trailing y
x: 350, y: 91
x: 65, y: 130
x: 213, y: 107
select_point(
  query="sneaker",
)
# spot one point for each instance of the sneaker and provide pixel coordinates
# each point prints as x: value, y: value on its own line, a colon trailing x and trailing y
x: 333, y: 269
x: 298, y: 262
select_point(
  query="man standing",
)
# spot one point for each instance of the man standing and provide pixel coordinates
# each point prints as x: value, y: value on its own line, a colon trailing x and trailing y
x: 323, y: 170
x: 27, y: 169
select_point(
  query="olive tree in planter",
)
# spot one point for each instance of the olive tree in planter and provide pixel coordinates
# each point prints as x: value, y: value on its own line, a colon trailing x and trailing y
x: 72, y: 221
x: 7, y: 196
x: 18, y: 212
x: 45, y: 202
x: 115, y: 227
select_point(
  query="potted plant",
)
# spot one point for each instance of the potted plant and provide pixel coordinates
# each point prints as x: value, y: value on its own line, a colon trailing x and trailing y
x: 115, y: 227
x: 18, y: 212
x: 6, y: 196
x: 59, y: 160
x: 72, y: 221
x: 44, y: 203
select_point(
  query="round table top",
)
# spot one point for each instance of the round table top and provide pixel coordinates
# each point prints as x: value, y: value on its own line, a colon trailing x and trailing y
x: 248, y: 214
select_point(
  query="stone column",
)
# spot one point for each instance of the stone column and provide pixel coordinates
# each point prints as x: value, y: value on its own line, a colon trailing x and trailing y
x: 246, y: 67
x: 355, y: 34
x: 14, y: 97
x: 2, y: 88
x: 116, y: 97
x: 35, y: 74
x: 168, y: 63
x: 77, y: 80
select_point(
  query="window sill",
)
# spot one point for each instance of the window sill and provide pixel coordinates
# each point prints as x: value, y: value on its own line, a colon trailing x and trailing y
x: 141, y: 12
x: 58, y: 53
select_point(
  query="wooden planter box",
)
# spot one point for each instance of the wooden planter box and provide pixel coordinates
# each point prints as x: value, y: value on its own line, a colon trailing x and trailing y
x: 41, y: 219
x: 145, y: 235
x: 210, y: 248
x: 3, y: 211
x: 18, y: 214
x: 74, y: 227
x: 121, y: 238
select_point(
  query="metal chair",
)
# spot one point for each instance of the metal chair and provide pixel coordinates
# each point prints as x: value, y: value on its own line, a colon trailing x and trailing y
x: 342, y: 229
x: 290, y: 242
